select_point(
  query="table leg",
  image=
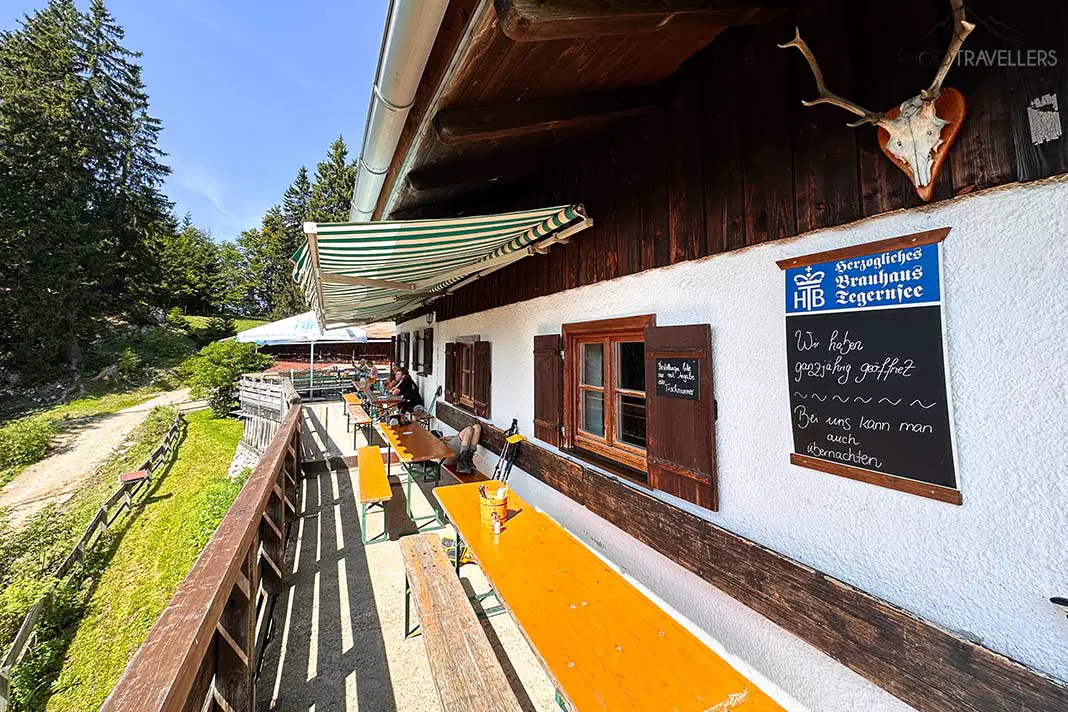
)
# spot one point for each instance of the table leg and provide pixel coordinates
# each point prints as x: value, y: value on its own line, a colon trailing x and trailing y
x: 384, y: 536
x: 459, y: 552
x: 408, y: 504
x: 409, y: 631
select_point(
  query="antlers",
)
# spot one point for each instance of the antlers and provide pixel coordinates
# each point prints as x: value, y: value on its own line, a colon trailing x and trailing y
x: 961, y: 29
x: 825, y: 96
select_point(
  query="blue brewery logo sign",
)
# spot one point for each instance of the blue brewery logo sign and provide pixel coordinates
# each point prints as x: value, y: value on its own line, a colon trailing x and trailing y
x: 894, y: 278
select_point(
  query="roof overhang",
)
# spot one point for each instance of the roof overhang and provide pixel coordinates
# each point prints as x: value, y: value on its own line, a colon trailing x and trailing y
x: 510, y: 82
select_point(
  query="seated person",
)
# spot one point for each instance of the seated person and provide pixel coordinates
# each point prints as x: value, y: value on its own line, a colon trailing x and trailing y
x: 393, y: 380
x: 464, y: 444
x: 404, y: 386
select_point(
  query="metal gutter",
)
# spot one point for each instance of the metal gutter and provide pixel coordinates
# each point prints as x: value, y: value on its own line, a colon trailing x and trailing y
x: 481, y: 23
x: 411, y: 29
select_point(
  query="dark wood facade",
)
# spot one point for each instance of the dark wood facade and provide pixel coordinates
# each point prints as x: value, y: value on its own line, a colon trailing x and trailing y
x: 729, y: 157
x: 378, y: 351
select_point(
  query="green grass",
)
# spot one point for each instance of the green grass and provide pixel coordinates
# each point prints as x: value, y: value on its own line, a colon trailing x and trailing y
x: 151, y: 558
x: 23, y: 441
x: 102, y: 403
x: 28, y: 556
x: 242, y: 323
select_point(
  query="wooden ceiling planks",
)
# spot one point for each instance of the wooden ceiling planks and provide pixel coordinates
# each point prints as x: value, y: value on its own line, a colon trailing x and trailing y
x: 496, y: 70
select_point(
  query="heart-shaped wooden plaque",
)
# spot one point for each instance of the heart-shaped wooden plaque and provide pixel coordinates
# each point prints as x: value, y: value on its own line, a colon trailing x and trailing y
x: 950, y: 107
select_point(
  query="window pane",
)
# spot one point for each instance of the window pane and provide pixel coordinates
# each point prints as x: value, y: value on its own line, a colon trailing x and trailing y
x: 630, y: 357
x: 631, y: 420
x: 593, y: 412
x: 593, y: 364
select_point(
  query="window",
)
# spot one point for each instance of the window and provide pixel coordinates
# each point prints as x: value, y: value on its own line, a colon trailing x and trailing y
x: 605, y: 401
x: 465, y: 365
x: 417, y: 352
x: 402, y: 349
x: 468, y: 375
x: 427, y: 361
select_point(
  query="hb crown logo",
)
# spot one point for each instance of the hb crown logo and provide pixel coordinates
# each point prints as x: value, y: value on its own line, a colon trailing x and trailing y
x: 809, y: 294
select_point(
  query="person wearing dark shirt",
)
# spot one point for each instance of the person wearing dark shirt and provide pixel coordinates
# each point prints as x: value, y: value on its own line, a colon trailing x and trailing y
x: 406, y: 388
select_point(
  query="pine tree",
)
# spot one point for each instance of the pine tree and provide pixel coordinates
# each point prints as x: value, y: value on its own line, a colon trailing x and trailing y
x: 335, y: 179
x: 295, y: 205
x: 295, y: 211
x: 233, y: 293
x: 80, y: 179
x: 266, y: 261
x: 189, y: 270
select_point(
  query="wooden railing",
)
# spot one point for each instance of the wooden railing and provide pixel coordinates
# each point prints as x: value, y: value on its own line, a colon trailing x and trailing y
x: 118, y: 503
x: 203, y: 651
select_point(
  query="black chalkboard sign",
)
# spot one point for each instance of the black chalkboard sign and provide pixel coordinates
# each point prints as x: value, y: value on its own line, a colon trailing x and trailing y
x: 867, y: 372
x: 678, y: 378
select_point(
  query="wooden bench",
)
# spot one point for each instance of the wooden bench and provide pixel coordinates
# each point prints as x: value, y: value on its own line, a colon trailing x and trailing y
x: 463, y: 478
x: 350, y: 399
x: 466, y: 673
x: 128, y: 478
x: 374, y: 489
x: 357, y: 416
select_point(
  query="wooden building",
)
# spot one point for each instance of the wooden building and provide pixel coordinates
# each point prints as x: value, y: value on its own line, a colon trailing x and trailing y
x: 653, y: 368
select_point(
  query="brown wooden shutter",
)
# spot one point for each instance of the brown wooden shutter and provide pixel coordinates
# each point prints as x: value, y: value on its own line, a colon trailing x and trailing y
x: 405, y: 349
x: 681, y: 433
x: 482, y: 373
x: 428, y: 351
x: 416, y: 353
x: 548, y: 388
x: 450, y: 373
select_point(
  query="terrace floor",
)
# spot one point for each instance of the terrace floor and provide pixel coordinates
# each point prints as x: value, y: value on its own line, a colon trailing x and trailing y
x: 337, y: 640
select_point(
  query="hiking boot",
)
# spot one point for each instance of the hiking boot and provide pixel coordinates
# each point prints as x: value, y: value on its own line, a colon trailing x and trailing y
x: 465, y: 462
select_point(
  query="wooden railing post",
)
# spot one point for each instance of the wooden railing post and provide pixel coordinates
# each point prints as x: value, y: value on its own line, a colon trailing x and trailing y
x: 235, y: 662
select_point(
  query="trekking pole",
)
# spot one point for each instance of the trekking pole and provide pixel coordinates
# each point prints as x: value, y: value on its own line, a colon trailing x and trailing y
x: 512, y: 438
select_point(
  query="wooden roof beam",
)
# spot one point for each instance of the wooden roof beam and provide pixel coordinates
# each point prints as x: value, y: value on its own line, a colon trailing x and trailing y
x: 485, y: 172
x: 541, y: 20
x: 483, y: 123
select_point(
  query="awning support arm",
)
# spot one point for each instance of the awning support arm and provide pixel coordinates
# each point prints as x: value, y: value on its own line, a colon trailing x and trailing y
x: 561, y: 235
x: 350, y: 281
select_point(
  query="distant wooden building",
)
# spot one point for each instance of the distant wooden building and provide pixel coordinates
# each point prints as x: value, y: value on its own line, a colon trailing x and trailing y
x: 822, y: 419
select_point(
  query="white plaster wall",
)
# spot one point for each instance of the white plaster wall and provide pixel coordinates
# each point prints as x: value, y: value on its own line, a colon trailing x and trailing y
x: 985, y: 569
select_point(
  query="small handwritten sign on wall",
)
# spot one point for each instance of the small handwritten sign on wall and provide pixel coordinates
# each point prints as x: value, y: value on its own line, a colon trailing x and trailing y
x: 678, y: 378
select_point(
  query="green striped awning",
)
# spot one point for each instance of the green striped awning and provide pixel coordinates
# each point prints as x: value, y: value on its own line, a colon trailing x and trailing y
x: 358, y: 273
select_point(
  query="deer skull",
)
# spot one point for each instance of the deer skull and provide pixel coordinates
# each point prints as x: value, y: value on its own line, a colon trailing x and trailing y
x: 914, y: 129
x: 915, y: 135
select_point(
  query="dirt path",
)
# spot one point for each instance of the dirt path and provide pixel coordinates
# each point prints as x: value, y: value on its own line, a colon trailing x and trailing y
x: 77, y: 454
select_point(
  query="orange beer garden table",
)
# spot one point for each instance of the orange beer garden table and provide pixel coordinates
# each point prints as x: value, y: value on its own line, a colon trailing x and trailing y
x: 605, y: 645
x: 415, y: 444
x: 381, y: 403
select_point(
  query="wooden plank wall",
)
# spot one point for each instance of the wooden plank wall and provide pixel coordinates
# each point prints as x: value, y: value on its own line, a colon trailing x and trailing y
x: 733, y: 159
x: 920, y: 663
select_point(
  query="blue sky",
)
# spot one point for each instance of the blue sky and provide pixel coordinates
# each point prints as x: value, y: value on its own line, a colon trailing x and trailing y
x: 248, y: 91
